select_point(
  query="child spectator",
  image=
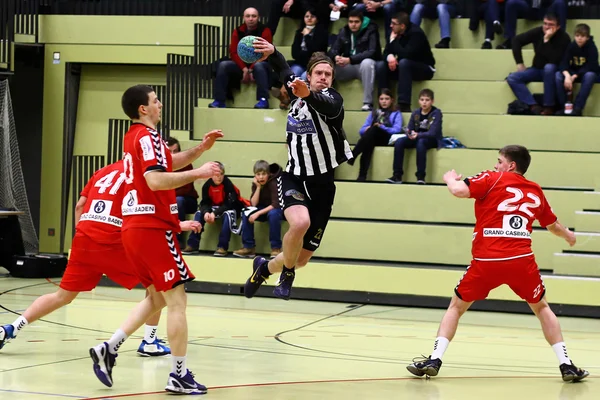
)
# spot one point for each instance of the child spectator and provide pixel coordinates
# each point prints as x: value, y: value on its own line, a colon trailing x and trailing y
x: 264, y: 197
x: 424, y: 131
x: 187, y: 197
x: 219, y: 194
x: 580, y: 64
x: 377, y: 130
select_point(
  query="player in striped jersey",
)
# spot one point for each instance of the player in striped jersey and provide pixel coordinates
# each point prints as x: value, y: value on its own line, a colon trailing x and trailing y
x: 316, y: 146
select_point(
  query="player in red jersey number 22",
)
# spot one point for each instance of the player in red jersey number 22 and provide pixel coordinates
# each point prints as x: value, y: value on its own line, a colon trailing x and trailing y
x: 506, y: 205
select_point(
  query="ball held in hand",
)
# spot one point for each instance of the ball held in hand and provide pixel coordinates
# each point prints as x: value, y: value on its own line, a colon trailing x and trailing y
x: 246, y: 50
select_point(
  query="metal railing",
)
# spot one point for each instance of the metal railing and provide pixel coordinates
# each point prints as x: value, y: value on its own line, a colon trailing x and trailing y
x: 26, y: 17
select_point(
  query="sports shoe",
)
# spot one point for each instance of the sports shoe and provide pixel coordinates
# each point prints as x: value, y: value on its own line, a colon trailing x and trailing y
x: 486, y: 45
x: 217, y: 104
x: 220, y: 252
x: 245, y: 253
x: 154, y: 349
x: 425, y: 366
x: 104, y: 361
x: 190, y: 250
x: 283, y: 290
x: 6, y: 333
x: 366, y: 107
x: 394, y: 179
x: 262, y: 104
x: 420, y: 182
x: 570, y: 373
x: 257, y: 278
x: 185, y: 385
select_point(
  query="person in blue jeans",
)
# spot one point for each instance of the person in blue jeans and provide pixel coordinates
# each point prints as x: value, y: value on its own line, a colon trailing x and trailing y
x: 371, y: 8
x: 266, y: 200
x: 532, y: 10
x: 219, y: 194
x: 424, y: 132
x: 444, y: 11
x: 550, y: 43
x: 580, y: 64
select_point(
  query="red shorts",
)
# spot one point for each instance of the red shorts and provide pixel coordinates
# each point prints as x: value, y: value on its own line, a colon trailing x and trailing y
x: 156, y: 258
x: 521, y: 274
x: 90, y: 260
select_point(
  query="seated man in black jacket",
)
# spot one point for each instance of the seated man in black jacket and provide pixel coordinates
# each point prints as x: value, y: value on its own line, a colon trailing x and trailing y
x: 550, y: 43
x: 355, y: 52
x: 407, y: 57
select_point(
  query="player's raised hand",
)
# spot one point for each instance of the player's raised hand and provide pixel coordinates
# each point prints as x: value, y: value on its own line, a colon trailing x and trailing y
x: 208, y: 170
x: 193, y: 226
x: 262, y: 46
x: 209, y: 139
x: 300, y: 88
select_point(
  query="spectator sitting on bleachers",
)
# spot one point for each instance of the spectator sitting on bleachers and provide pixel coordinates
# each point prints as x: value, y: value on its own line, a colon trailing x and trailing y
x: 580, y: 64
x: 444, y: 11
x: 355, y: 51
x: 219, y: 194
x: 264, y: 197
x: 290, y: 8
x: 187, y: 197
x: 424, y: 132
x: 371, y: 9
x: 492, y: 12
x: 550, y: 43
x: 236, y: 70
x: 380, y: 125
x: 532, y: 10
x: 407, y: 57
x: 310, y: 38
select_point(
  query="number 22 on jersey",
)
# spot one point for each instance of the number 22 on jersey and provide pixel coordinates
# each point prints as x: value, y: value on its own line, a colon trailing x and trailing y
x: 514, y: 203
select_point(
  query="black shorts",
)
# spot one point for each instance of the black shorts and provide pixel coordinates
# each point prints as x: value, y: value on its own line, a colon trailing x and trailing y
x: 316, y: 194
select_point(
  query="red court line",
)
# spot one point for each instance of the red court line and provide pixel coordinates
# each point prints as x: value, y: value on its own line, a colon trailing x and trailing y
x: 249, y: 385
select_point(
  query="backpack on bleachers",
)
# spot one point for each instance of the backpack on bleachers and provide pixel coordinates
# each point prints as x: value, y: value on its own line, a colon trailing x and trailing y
x: 450, y: 142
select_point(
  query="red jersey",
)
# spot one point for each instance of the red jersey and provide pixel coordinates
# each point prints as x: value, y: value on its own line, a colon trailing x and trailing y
x: 101, y: 219
x: 145, y: 152
x: 506, y: 204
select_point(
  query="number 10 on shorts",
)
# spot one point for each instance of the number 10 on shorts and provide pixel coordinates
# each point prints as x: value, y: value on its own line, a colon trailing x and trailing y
x: 169, y: 275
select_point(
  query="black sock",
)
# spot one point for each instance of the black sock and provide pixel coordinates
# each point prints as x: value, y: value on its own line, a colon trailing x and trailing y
x: 292, y: 270
x: 264, y: 270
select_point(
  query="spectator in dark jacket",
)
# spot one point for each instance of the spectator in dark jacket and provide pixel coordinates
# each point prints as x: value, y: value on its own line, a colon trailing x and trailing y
x: 407, y: 57
x: 355, y: 51
x: 377, y: 130
x: 219, y: 194
x: 580, y: 64
x: 371, y: 9
x: 424, y: 132
x: 237, y: 70
x: 444, y: 10
x: 549, y: 45
x: 532, y: 10
x: 310, y: 38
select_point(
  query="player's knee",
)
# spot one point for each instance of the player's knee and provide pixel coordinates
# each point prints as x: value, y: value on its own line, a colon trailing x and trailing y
x: 299, y: 225
x: 65, y: 296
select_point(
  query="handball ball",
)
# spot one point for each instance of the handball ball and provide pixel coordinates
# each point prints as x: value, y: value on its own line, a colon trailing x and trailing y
x: 246, y: 50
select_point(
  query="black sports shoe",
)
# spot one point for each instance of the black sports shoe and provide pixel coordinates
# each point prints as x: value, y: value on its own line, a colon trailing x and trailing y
x: 570, y: 373
x: 257, y: 278
x: 283, y: 290
x: 425, y: 366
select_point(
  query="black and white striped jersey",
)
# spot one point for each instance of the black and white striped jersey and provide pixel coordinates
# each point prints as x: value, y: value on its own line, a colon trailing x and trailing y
x: 316, y: 140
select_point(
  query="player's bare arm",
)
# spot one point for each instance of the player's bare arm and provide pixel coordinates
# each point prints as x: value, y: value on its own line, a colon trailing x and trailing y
x: 563, y: 232
x: 159, y: 180
x: 184, y: 158
x: 79, y: 208
x: 456, y: 185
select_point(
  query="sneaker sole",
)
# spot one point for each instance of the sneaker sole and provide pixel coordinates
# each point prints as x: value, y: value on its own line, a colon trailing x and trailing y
x: 102, y: 377
x: 575, y: 378
x: 429, y: 371
x: 280, y: 296
x: 141, y: 354
x: 185, y: 391
x: 242, y: 256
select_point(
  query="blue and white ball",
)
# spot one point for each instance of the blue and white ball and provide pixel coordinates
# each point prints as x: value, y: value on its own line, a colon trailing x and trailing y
x: 246, y: 50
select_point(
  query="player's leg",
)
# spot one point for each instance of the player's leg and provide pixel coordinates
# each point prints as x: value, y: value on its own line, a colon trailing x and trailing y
x: 151, y: 345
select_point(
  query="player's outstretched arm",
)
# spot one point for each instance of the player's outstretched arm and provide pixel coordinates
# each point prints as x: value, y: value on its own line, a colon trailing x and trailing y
x: 79, y: 208
x: 184, y: 158
x: 159, y: 180
x: 456, y: 185
x: 563, y: 232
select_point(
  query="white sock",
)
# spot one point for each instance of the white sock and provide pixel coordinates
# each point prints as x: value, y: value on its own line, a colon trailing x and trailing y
x: 488, y: 40
x: 116, y: 341
x: 439, y: 348
x: 560, y: 349
x: 179, y: 366
x: 150, y: 333
x: 19, y: 324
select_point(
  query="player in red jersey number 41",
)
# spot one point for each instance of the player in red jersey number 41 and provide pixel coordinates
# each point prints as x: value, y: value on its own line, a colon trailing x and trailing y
x: 506, y: 205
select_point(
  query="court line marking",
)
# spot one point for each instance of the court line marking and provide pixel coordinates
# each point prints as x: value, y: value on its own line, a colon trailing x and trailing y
x: 248, y: 385
x: 41, y: 393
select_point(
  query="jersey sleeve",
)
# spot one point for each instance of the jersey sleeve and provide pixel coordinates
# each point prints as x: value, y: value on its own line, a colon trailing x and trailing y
x: 545, y: 214
x: 480, y: 185
x: 149, y: 150
x: 88, y: 186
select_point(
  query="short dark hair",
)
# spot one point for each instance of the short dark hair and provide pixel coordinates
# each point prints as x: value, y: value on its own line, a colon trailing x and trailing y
x: 318, y: 57
x: 519, y: 155
x: 261, y: 166
x: 356, y: 13
x: 402, y: 17
x: 583, y: 30
x: 427, y: 93
x: 171, y: 141
x: 133, y: 98
x: 550, y: 16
